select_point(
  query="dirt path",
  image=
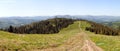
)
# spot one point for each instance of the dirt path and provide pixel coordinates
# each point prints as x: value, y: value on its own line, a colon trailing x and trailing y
x: 79, y: 42
x: 72, y: 44
x: 89, y: 45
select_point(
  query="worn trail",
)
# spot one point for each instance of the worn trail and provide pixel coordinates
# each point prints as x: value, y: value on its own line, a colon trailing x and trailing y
x: 79, y: 42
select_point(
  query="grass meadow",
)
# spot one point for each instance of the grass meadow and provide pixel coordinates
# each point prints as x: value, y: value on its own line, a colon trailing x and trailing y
x: 23, y: 42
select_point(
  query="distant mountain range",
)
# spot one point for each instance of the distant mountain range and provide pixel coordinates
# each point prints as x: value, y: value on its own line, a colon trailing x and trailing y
x: 17, y: 21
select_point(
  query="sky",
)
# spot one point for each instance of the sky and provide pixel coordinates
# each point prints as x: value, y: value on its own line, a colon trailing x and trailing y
x: 59, y: 7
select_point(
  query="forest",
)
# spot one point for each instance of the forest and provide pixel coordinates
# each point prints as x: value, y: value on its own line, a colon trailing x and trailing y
x: 102, y: 29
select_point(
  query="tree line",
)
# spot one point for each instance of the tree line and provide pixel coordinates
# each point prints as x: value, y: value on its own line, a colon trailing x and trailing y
x: 55, y: 25
x: 101, y: 29
x: 42, y: 27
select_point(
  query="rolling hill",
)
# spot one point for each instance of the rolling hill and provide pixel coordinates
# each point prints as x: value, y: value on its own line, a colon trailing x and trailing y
x: 5, y: 22
x: 74, y: 35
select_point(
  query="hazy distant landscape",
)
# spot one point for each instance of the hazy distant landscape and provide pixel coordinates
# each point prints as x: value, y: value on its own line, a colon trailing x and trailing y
x: 112, y: 21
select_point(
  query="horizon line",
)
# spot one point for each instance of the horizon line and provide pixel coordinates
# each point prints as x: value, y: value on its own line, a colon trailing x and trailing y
x: 60, y: 15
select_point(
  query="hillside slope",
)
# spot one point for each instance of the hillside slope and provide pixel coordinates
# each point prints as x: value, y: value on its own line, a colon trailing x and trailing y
x: 13, y: 42
x: 70, y: 38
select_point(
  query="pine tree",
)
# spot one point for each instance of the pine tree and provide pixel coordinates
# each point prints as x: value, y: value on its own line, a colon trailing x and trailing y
x: 10, y: 28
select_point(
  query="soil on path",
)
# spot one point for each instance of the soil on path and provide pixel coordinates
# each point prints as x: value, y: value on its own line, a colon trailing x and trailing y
x: 79, y: 42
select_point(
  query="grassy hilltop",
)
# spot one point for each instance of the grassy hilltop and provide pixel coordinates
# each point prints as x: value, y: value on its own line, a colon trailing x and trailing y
x: 23, y: 42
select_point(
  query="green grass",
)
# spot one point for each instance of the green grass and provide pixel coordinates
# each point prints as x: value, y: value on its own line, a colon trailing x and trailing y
x: 108, y: 43
x: 12, y: 42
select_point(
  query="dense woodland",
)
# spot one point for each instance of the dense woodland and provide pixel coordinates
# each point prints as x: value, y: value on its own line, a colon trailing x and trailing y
x: 102, y: 29
x: 42, y: 27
